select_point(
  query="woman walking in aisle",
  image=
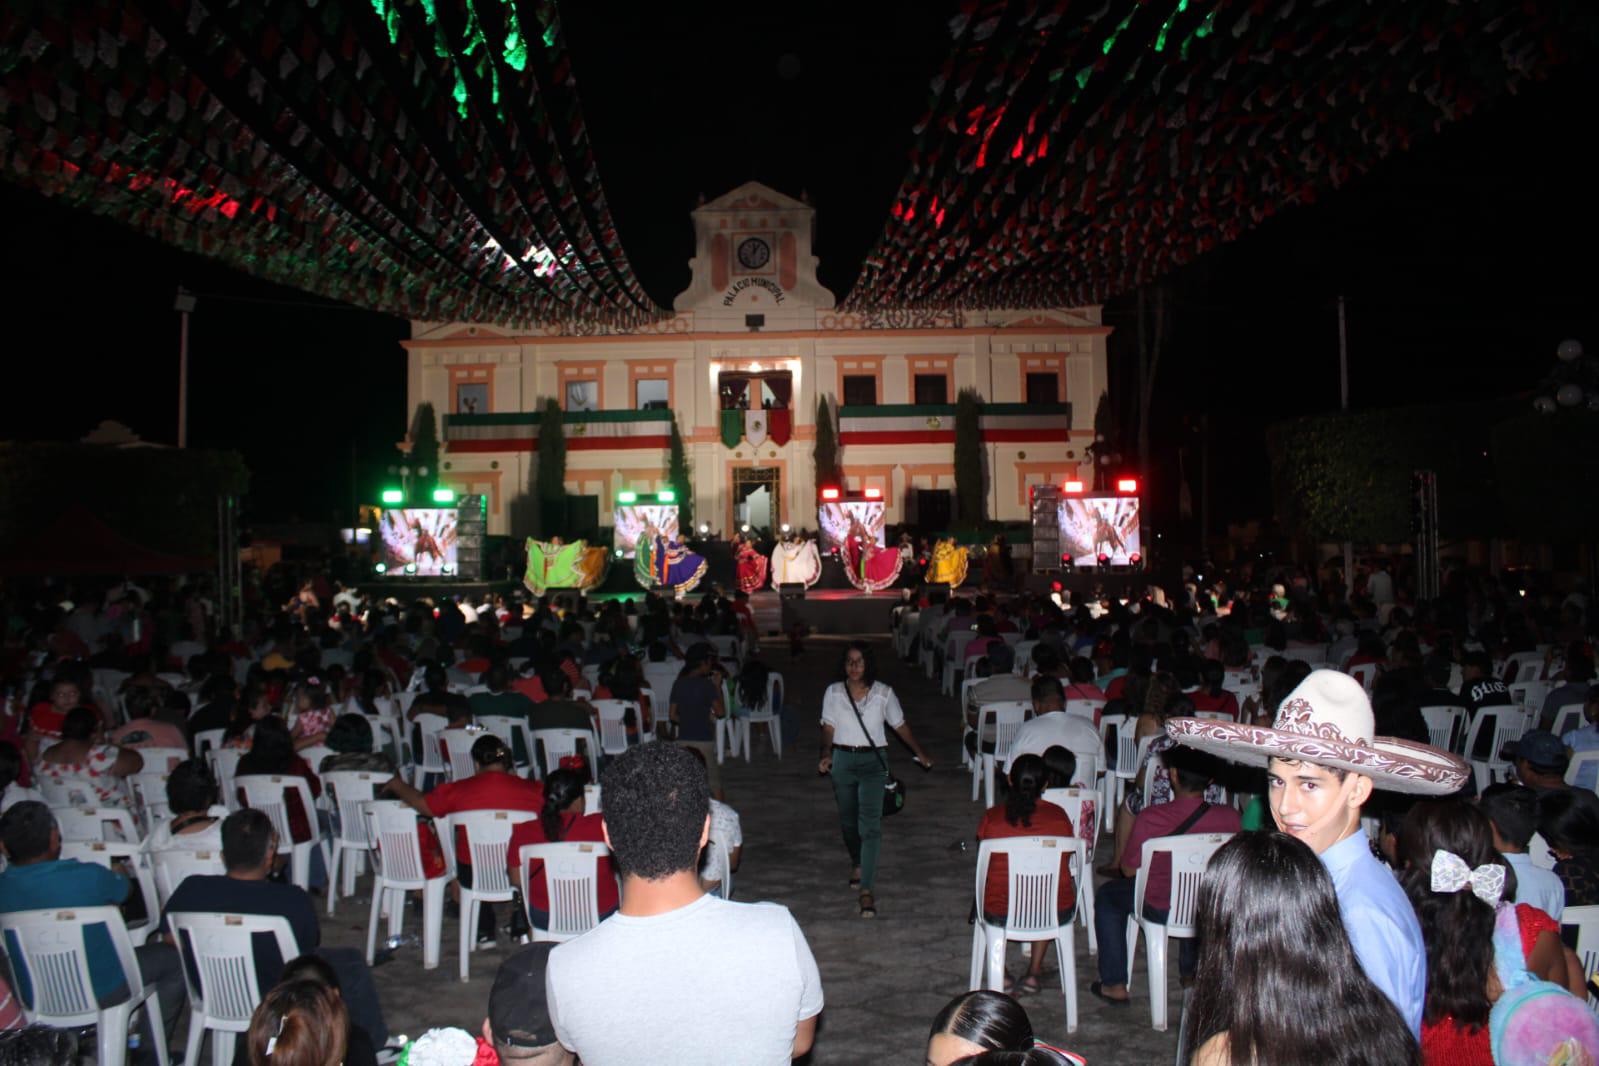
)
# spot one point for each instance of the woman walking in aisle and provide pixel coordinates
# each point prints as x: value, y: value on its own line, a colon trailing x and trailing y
x: 856, y: 712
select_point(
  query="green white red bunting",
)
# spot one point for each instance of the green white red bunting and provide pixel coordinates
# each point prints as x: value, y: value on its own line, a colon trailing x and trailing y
x: 585, y: 430
x: 935, y: 423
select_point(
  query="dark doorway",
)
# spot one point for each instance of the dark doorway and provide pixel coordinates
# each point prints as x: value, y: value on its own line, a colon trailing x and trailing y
x: 934, y: 508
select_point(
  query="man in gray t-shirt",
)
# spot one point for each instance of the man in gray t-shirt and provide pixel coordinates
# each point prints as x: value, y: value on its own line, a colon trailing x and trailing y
x: 652, y: 982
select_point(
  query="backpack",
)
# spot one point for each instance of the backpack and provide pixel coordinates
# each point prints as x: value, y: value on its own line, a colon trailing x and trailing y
x: 1535, y: 1023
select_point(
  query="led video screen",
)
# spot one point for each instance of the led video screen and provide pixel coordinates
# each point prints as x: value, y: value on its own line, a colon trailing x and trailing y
x: 420, y: 536
x: 633, y: 519
x: 1091, y: 525
x: 834, y: 517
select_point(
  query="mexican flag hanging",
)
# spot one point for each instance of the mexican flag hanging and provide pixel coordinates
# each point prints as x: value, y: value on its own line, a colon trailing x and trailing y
x: 780, y: 425
x: 755, y: 426
x: 732, y: 427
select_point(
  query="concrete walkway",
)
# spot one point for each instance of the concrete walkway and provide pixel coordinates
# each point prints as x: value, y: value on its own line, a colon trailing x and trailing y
x: 883, y: 980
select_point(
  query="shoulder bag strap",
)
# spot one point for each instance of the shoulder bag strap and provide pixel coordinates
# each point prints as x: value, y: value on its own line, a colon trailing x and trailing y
x: 1192, y: 820
x: 880, y: 761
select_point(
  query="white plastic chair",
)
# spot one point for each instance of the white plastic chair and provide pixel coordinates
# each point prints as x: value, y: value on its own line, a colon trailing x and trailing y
x: 1082, y: 807
x: 206, y: 740
x: 107, y: 853
x: 1024, y: 658
x: 727, y: 648
x: 82, y: 824
x: 660, y: 677
x: 47, y: 946
x: 221, y: 947
x: 346, y: 790
x: 1529, y: 694
x: 719, y: 867
x: 955, y: 658
x: 161, y: 760
x: 268, y: 793
x: 397, y: 866
x: 613, y: 730
x: 1189, y: 855
x: 555, y: 743
x: 429, y: 757
x: 571, y: 875
x: 1524, y: 666
x: 456, y: 745
x: 1032, y: 912
x: 1007, y: 717
x: 1578, y: 761
x: 507, y: 727
x: 591, y: 799
x: 1568, y: 718
x: 1506, y: 723
x: 905, y: 631
x: 224, y: 763
x: 1365, y: 673
x: 149, y: 792
x: 487, y: 835
x: 1586, y: 920
x: 1443, y: 723
x: 70, y: 790
x: 768, y: 714
x: 171, y: 865
x: 1085, y: 708
x: 1116, y: 730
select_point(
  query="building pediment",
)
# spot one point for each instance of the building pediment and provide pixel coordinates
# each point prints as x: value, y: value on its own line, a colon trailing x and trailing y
x: 753, y: 256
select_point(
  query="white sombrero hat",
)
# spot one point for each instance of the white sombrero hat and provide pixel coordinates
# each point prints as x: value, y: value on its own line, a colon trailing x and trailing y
x: 1327, y: 720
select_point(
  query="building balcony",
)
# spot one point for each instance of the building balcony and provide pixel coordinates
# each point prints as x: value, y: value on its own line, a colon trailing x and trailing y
x: 584, y: 430
x: 910, y: 423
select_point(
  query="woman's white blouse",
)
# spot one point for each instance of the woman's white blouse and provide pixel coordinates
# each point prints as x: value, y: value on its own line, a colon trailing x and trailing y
x: 879, y: 706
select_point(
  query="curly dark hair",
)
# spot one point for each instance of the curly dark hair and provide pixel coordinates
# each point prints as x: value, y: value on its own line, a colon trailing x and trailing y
x: 866, y: 653
x: 655, y: 806
x: 1271, y: 937
x: 1457, y: 927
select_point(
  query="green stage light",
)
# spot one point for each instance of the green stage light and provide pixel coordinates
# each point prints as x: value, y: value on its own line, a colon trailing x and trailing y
x: 666, y: 496
x: 410, y: 568
x: 443, y: 495
x: 381, y: 568
x: 627, y: 497
x: 393, y: 496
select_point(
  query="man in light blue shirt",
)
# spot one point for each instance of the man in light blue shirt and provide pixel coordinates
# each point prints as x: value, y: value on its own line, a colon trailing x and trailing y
x: 1512, y: 810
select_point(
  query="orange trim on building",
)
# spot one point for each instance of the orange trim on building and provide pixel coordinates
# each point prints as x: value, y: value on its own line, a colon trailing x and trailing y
x: 1054, y: 471
x: 639, y: 478
x: 861, y: 476
x: 568, y: 370
x: 937, y: 471
x: 780, y: 500
x: 651, y: 370
x: 931, y: 366
x: 472, y: 374
x: 1051, y: 363
x: 853, y: 366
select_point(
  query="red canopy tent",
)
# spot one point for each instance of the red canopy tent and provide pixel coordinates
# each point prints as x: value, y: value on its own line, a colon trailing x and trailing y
x: 79, y: 543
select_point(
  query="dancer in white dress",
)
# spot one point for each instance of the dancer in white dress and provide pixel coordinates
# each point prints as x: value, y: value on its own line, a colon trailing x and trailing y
x: 795, y: 559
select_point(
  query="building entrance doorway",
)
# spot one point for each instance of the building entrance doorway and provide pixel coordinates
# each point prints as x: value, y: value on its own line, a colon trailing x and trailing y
x: 757, y: 498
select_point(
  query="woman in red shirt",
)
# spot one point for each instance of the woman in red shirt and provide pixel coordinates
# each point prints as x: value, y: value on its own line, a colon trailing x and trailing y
x: 1211, y: 696
x: 1024, y: 814
x: 562, y: 819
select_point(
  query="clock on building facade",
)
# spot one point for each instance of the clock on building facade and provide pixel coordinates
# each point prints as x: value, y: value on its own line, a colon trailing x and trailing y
x: 754, y: 253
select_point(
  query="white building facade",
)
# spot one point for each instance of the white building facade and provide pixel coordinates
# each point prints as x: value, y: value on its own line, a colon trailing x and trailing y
x: 755, y: 331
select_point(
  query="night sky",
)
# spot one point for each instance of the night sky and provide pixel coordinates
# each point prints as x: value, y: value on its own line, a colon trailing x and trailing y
x: 1463, y: 262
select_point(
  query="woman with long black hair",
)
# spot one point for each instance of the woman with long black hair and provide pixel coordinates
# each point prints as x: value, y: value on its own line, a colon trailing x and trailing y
x: 562, y: 818
x: 857, y: 711
x: 1278, y: 982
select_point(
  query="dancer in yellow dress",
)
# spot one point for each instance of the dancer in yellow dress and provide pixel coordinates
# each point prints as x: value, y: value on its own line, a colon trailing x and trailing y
x: 948, y: 564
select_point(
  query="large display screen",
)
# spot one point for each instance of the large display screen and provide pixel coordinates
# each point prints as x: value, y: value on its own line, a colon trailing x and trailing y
x: 423, y: 536
x: 633, y: 519
x: 1091, y: 525
x: 836, y: 516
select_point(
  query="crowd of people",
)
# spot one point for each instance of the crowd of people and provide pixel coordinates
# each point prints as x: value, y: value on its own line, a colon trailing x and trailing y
x: 1369, y: 862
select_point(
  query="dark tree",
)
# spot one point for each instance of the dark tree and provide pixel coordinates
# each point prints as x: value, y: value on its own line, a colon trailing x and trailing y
x: 677, y: 472
x: 969, y: 492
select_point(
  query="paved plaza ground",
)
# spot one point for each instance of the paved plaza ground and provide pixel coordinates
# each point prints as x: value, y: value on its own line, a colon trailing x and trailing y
x: 883, y: 980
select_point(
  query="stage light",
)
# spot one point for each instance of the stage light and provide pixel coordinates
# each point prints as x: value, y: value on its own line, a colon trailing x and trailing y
x: 705, y: 528
x: 410, y: 568
x: 381, y: 568
x: 874, y: 494
x: 745, y: 528
x: 1134, y: 559
x: 1066, y: 557
x: 1127, y: 484
x: 446, y: 570
x: 393, y: 496
x: 443, y: 495
x: 1104, y: 560
x: 784, y: 527
x: 626, y: 497
x: 1056, y: 586
x: 1072, y: 486
x: 829, y: 494
x: 666, y: 496
x: 619, y: 553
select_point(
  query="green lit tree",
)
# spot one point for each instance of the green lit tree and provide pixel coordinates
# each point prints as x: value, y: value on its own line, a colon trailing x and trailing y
x: 969, y: 491
x: 551, y: 478
x: 677, y: 472
x: 828, y: 471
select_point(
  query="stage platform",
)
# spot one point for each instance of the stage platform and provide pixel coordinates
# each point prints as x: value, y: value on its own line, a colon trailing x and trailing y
x: 842, y: 612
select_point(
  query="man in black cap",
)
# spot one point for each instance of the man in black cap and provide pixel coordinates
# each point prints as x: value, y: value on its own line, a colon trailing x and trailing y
x: 1540, y: 761
x: 518, y: 1024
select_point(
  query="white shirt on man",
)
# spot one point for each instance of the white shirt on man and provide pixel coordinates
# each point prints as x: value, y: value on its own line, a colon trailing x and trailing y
x: 712, y: 982
x: 1057, y: 728
x: 1537, y: 886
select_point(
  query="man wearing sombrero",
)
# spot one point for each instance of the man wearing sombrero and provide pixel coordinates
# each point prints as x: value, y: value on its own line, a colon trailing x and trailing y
x: 1322, y: 762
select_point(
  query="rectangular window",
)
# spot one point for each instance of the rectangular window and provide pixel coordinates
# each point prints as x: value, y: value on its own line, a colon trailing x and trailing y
x: 931, y: 388
x: 582, y: 395
x: 1043, y: 388
x: 653, y: 394
x: 472, y: 398
x: 860, y: 390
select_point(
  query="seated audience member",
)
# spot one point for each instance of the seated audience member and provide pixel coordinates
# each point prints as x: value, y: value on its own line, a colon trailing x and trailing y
x: 562, y: 819
x: 1211, y: 697
x: 38, y: 878
x: 12, y: 791
x: 1540, y: 761
x: 38, y: 1046
x: 436, y: 698
x: 500, y: 699
x: 1575, y: 687
x: 999, y: 686
x: 975, y: 1022
x: 82, y: 761
x: 694, y: 707
x: 1569, y: 822
x: 1585, y: 738
x: 249, y: 848
x: 272, y: 751
x: 527, y: 682
x: 1052, y: 727
x: 1079, y: 683
x: 46, y: 718
x: 156, y: 720
x: 1455, y: 880
x: 518, y: 1025
x: 1278, y: 980
x: 358, y: 1047
x: 191, y: 793
x: 1188, y: 812
x: 351, y: 741
x: 1025, y: 814
x: 1513, y: 815
x: 495, y: 787
x: 299, y: 1023
x: 728, y: 831
x: 675, y: 947
x: 1478, y: 689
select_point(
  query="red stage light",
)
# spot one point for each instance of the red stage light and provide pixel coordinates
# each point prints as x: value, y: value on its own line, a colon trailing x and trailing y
x: 1056, y: 586
x: 874, y: 494
x: 1072, y: 486
x: 829, y: 494
x: 1066, y: 557
x: 1104, y: 560
x: 1134, y: 558
x: 1127, y: 484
